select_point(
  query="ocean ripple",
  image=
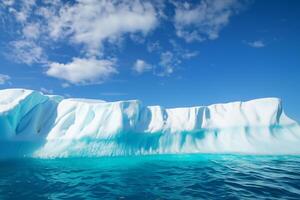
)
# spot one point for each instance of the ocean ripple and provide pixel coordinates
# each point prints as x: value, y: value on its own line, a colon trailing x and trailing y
x: 152, y: 177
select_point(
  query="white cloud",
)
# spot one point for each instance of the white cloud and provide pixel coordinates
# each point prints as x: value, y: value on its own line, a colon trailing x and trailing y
x: 257, y: 44
x: 4, y: 78
x: 141, y: 66
x: 65, y: 85
x: 182, y: 53
x: 167, y: 62
x: 25, y: 48
x: 28, y: 52
x: 154, y: 46
x: 137, y: 38
x: 92, y: 22
x: 170, y: 59
x: 22, y: 11
x: 46, y: 91
x: 205, y: 20
x: 31, y: 31
x: 190, y: 54
x: 94, y: 26
x: 83, y: 71
x: 8, y: 2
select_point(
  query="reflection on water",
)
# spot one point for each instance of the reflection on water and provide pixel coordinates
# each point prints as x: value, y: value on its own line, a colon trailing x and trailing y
x: 152, y: 177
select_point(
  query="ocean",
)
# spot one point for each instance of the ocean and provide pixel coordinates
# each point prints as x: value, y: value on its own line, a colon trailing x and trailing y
x: 199, y: 176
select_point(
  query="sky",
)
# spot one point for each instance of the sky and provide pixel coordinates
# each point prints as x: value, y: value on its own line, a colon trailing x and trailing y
x: 162, y: 52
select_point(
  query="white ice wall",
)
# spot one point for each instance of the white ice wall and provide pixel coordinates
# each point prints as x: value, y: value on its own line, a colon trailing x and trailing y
x: 94, y: 127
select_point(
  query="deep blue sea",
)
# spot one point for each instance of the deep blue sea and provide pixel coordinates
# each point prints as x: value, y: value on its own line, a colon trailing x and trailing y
x: 152, y: 177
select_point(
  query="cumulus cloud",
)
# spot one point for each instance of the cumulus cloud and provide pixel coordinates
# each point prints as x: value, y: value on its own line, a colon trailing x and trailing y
x: 154, y: 46
x: 257, y: 44
x: 93, y: 22
x: 141, y: 66
x: 46, y: 91
x: 91, y: 25
x: 181, y: 52
x: 83, y: 70
x: 4, y: 78
x: 190, y: 54
x: 167, y: 63
x: 171, y: 59
x: 25, y: 51
x: 204, y: 20
x: 31, y: 31
x: 22, y: 10
x: 8, y: 2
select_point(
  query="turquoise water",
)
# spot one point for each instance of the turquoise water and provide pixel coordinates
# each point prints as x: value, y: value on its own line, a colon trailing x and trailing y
x: 152, y: 177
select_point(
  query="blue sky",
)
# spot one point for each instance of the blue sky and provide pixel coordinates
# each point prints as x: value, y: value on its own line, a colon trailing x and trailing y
x: 170, y: 53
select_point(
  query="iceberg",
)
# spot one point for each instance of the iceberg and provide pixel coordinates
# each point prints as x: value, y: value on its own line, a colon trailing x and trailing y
x: 34, y: 124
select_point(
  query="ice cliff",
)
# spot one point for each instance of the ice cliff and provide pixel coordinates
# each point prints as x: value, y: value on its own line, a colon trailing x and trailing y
x: 52, y: 126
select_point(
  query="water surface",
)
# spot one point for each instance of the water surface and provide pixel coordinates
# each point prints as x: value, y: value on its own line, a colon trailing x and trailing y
x: 152, y: 177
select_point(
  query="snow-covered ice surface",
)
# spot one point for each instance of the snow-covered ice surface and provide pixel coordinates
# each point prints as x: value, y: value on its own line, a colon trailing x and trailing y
x: 51, y: 126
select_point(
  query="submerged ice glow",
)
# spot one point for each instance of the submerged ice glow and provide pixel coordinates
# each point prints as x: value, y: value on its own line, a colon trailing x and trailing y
x: 57, y: 127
